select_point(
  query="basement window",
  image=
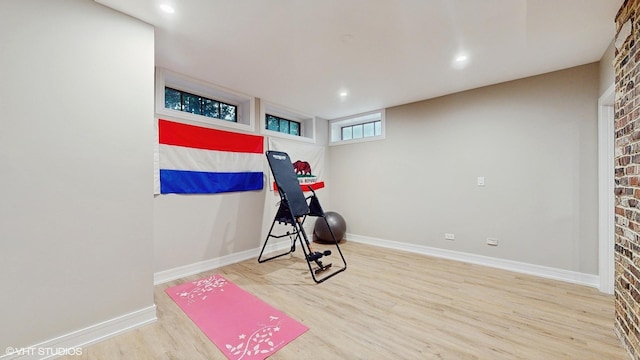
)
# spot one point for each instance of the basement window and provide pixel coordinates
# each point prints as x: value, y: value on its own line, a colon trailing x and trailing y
x: 357, y: 128
x: 359, y: 131
x: 183, y: 101
x: 280, y: 124
x: 181, y: 97
x: 280, y: 121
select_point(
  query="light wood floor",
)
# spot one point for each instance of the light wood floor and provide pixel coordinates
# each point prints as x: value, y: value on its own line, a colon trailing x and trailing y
x: 396, y: 305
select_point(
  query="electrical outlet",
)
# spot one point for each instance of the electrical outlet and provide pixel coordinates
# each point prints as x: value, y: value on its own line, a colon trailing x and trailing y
x: 448, y: 236
x: 480, y: 180
x: 492, y: 242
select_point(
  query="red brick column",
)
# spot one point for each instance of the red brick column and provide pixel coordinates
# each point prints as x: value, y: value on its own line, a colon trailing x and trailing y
x: 627, y: 170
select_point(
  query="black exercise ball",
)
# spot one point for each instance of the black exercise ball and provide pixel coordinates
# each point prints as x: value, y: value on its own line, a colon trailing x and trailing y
x: 336, y: 222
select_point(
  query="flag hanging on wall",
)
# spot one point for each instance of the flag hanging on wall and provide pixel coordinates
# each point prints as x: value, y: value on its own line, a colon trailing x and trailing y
x: 199, y: 160
x: 308, y: 162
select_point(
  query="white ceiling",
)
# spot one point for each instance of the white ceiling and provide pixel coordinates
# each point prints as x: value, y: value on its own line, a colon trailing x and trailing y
x: 303, y: 53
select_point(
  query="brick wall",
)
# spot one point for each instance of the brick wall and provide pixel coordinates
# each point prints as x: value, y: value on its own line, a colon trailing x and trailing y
x: 627, y: 176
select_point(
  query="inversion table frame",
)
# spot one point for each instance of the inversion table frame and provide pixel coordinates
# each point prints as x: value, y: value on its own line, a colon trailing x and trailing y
x: 293, y: 210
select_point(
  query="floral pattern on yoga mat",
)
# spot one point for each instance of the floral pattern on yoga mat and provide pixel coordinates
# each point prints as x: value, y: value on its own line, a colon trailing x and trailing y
x: 241, y: 325
x: 202, y: 288
x: 260, y: 342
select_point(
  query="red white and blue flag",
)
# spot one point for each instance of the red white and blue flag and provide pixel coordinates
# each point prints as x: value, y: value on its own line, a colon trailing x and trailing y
x: 198, y: 160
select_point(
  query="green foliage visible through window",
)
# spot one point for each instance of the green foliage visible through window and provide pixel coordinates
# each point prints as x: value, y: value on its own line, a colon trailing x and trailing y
x: 276, y: 123
x: 195, y: 104
x: 363, y: 130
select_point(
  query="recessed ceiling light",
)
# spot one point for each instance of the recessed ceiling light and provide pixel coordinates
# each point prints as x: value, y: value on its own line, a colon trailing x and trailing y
x: 460, y: 61
x: 343, y: 93
x: 167, y: 8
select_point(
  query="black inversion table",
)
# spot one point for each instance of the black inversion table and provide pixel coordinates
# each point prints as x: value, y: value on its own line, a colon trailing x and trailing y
x: 293, y: 210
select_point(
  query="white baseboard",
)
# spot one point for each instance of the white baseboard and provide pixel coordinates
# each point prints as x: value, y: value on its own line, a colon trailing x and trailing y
x: 515, y: 266
x: 164, y: 276
x: 510, y: 265
x: 78, y: 339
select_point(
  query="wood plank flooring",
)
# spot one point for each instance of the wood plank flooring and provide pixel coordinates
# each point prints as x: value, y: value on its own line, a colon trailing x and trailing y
x: 396, y: 305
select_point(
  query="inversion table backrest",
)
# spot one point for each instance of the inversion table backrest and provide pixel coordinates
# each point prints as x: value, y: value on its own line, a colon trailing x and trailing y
x: 287, y: 182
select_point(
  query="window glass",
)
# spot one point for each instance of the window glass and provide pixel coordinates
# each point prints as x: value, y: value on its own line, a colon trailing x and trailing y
x: 191, y: 103
x: 368, y: 129
x: 227, y: 112
x: 172, y: 99
x: 357, y: 131
x: 210, y: 108
x: 284, y: 126
x: 347, y: 133
x: 272, y: 123
x: 294, y: 128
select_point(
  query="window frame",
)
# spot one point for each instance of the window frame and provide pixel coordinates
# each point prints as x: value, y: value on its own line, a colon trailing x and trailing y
x: 245, y: 104
x: 353, y: 126
x: 202, y: 99
x: 307, y: 122
x: 336, y: 126
x: 280, y: 120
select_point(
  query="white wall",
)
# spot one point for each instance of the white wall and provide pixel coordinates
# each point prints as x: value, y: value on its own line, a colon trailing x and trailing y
x: 195, y: 228
x: 76, y: 136
x: 535, y: 142
x: 607, y: 71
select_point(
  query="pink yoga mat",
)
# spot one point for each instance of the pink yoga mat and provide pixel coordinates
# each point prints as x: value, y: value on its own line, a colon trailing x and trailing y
x: 241, y: 325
